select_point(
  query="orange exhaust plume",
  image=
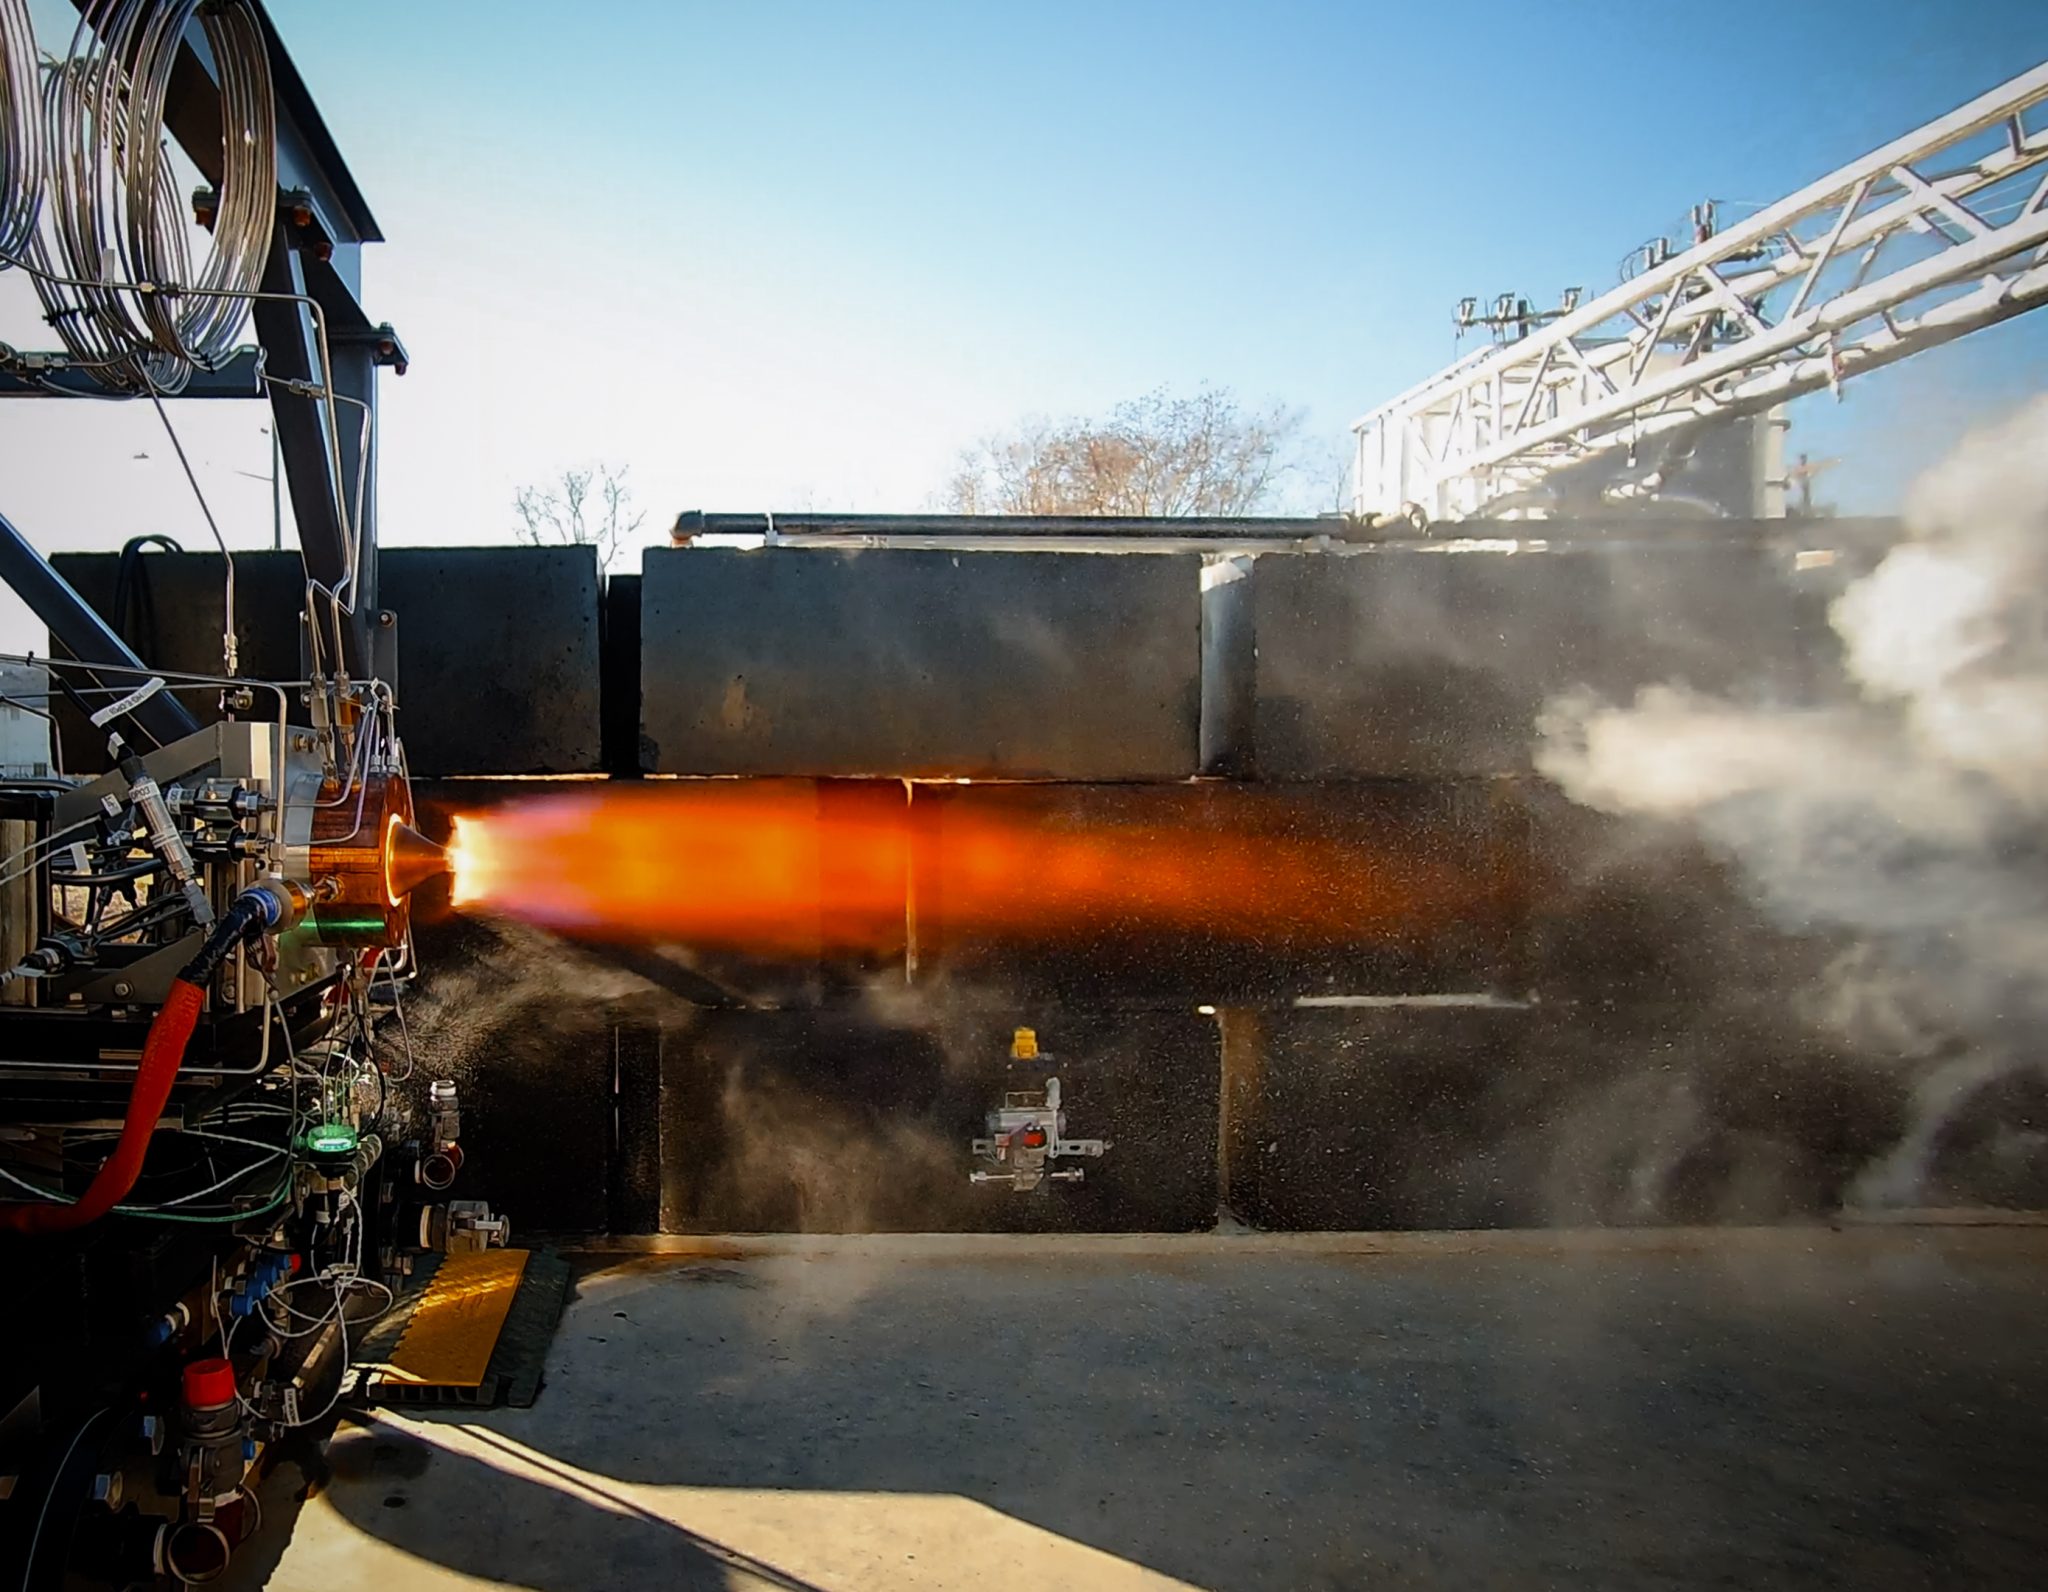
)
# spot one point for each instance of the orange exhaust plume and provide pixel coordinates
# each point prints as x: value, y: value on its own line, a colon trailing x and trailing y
x: 777, y: 867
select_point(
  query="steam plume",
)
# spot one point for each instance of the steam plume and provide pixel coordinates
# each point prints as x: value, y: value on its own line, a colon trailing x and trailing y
x: 1907, y: 824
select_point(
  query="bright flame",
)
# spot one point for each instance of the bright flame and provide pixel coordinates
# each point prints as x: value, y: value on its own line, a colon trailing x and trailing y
x: 776, y: 866
x: 470, y: 861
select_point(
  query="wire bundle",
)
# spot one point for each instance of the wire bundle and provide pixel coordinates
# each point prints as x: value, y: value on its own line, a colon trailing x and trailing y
x: 223, y: 1200
x: 120, y: 287
x: 21, y: 139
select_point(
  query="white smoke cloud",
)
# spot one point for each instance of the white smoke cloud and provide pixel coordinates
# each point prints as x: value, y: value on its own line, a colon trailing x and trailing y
x: 1908, y: 822
x: 1954, y: 623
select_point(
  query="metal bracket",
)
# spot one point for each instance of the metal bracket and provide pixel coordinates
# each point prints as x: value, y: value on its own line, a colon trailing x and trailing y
x: 384, y: 649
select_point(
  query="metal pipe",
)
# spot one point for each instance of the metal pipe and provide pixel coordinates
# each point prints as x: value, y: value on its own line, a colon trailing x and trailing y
x: 1079, y: 527
x: 81, y: 632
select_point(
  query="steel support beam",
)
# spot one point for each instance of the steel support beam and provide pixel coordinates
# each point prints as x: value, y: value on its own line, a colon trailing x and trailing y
x: 316, y: 253
x: 82, y: 633
x: 307, y: 438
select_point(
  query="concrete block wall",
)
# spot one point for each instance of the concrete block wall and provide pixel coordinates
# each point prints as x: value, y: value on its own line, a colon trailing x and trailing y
x: 1613, y: 1039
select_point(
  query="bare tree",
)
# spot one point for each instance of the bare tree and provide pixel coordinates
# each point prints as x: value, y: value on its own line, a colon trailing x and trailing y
x: 1158, y: 455
x: 588, y: 507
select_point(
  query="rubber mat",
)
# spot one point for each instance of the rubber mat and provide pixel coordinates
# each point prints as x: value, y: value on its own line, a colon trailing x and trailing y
x: 439, y: 1331
x: 455, y: 1325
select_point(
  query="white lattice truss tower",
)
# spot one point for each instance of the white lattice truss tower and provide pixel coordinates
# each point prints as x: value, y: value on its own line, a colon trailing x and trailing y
x: 1937, y: 234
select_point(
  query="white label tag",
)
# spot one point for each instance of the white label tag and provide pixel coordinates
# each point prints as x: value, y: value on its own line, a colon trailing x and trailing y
x: 129, y: 703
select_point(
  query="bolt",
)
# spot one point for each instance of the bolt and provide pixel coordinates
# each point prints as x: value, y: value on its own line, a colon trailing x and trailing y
x: 302, y: 743
x: 386, y: 618
x: 106, y: 1489
x: 121, y: 987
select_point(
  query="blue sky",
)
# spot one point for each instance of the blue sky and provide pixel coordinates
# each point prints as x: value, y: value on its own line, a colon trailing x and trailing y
x: 799, y: 255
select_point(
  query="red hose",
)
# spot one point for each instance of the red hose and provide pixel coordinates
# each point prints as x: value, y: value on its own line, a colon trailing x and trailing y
x: 163, y: 1052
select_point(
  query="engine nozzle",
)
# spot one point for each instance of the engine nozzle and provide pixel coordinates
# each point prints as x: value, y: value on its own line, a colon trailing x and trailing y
x: 410, y: 859
x: 363, y: 864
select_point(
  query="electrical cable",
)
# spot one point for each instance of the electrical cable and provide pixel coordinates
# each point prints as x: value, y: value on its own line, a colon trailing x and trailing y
x: 128, y: 873
x: 404, y: 1033
x: 344, y: 1278
x: 43, y: 846
x: 129, y: 567
x: 207, y: 1134
x: 158, y: 909
x: 163, y: 1052
x: 269, y: 1151
x: 166, y: 1210
x: 227, y: 631
x: 166, y: 1213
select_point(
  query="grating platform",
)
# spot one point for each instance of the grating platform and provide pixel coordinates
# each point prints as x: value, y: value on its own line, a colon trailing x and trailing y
x: 473, y: 1334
